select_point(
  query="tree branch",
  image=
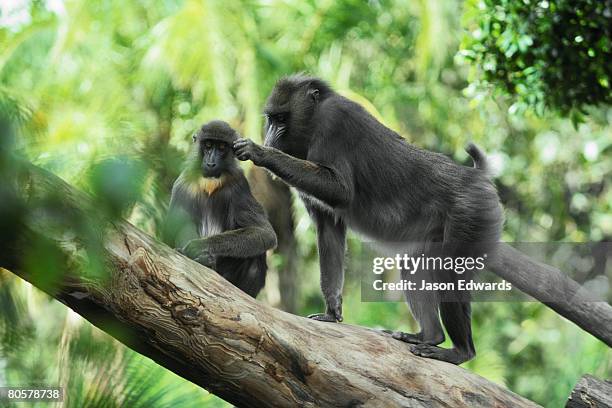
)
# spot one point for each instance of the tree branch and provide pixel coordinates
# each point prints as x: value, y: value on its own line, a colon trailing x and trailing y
x: 192, y: 321
x: 590, y: 392
x: 556, y: 290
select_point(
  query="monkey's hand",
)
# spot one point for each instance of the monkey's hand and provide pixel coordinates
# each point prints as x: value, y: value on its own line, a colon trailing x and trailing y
x: 333, y: 311
x: 246, y: 149
x: 198, y: 250
x: 208, y: 260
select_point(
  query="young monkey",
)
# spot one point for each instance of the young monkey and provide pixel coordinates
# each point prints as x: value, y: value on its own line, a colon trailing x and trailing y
x: 213, y: 217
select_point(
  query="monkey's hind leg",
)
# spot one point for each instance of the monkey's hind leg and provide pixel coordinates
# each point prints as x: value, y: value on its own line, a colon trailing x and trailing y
x: 424, y: 308
x: 457, y: 320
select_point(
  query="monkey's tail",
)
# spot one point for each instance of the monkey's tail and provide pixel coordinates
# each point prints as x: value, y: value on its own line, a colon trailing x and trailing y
x: 480, y: 160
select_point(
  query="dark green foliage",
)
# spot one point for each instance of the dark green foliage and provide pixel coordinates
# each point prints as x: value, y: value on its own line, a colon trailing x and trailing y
x: 546, y: 54
x: 117, y: 184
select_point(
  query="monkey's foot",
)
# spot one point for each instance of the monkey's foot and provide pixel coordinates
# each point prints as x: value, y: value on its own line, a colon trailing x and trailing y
x: 453, y: 356
x: 415, y: 338
x: 323, y: 317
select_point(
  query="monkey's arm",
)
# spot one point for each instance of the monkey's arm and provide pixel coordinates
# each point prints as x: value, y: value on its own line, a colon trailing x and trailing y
x: 239, y: 243
x: 252, y: 234
x: 326, y: 183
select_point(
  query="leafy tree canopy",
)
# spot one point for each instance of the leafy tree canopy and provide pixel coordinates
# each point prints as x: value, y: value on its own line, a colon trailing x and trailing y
x: 551, y: 54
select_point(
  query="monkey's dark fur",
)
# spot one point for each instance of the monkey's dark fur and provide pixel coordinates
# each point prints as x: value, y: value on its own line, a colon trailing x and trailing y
x: 213, y: 216
x: 352, y: 171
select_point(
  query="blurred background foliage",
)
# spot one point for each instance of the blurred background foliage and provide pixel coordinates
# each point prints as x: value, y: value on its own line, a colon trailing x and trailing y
x: 106, y: 95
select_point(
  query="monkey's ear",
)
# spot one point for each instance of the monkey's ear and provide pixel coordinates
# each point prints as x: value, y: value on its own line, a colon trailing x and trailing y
x: 193, y: 137
x: 314, y: 94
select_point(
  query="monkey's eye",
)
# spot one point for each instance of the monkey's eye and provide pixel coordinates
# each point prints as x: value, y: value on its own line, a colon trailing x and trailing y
x: 208, y: 145
x: 222, y: 147
x: 281, y: 117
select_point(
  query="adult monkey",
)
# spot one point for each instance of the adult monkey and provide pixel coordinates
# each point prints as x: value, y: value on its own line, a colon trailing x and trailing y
x: 213, y: 217
x: 350, y: 170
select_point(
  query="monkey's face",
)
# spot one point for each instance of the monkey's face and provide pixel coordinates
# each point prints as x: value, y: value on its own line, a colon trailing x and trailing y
x: 289, y: 116
x: 216, y: 157
x: 212, y: 152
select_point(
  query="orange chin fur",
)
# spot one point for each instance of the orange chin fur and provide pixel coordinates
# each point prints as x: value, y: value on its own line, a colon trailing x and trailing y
x: 206, y: 185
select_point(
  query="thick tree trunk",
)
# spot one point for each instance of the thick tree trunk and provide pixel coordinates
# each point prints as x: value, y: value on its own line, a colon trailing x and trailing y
x: 190, y: 320
x: 591, y: 392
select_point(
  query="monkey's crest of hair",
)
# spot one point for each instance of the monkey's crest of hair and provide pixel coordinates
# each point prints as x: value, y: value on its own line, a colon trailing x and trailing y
x: 219, y: 130
x: 289, y: 84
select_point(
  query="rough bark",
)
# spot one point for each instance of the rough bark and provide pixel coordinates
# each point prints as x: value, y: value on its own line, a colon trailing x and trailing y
x: 190, y: 320
x: 556, y: 290
x: 591, y: 392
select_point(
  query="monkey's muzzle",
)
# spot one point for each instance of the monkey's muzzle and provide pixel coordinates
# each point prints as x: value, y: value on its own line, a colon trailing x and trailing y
x: 273, y: 133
